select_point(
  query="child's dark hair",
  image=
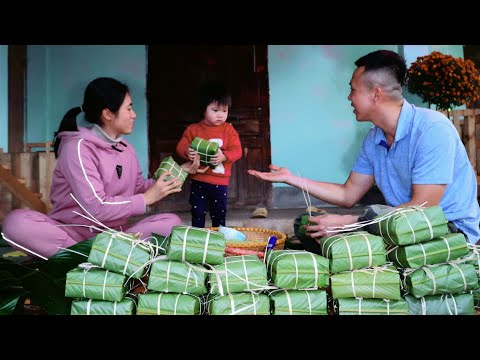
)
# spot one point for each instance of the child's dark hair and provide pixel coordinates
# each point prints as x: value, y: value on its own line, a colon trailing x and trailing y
x: 213, y: 91
x: 385, y: 60
x: 101, y: 93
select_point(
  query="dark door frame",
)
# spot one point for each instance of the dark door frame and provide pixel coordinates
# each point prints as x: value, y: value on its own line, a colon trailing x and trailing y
x: 17, y: 75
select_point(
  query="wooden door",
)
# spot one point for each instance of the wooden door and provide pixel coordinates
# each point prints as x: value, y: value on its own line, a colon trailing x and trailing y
x: 174, y: 76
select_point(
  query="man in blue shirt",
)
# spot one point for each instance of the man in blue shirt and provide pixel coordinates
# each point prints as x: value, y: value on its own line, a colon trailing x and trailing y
x: 414, y: 155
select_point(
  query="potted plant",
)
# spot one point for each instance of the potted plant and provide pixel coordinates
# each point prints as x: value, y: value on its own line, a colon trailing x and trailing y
x: 444, y: 80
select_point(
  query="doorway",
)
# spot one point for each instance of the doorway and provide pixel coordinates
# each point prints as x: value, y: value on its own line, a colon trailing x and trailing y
x: 174, y: 76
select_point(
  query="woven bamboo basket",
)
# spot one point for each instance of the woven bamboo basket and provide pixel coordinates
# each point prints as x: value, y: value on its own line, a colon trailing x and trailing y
x: 256, y: 239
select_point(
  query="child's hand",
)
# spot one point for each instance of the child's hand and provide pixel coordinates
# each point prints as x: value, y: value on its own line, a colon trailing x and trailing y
x: 191, y: 154
x: 218, y: 158
x: 192, y: 167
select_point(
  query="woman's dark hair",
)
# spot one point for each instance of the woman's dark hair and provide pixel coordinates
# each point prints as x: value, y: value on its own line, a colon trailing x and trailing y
x: 101, y: 93
x: 213, y: 91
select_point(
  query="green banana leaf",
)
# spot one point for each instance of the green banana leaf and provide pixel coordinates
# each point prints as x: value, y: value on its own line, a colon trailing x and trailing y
x: 447, y: 304
x: 206, y: 149
x: 11, y: 293
x: 441, y: 279
x: 169, y: 165
x: 155, y: 303
x: 353, y: 251
x: 238, y: 274
x: 196, y: 245
x: 297, y: 269
x: 44, y: 281
x: 413, y: 225
x: 299, y: 302
x: 177, y: 277
x: 103, y: 307
x: 361, y: 306
x: 442, y: 249
x: 239, y: 304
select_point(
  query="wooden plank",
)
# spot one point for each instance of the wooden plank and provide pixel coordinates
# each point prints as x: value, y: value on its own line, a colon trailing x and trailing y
x: 5, y: 194
x: 456, y: 122
x: 46, y: 165
x: 48, y: 146
x: 15, y: 170
x: 469, y: 138
x: 20, y: 191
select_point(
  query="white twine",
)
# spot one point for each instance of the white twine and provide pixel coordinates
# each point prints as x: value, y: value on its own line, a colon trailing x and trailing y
x: 208, y: 157
x: 429, y: 224
x: 204, y: 258
x: 104, y: 284
x: 107, y: 250
x: 388, y: 305
x: 188, y: 280
x: 176, y: 304
x: 159, y: 311
x: 305, y: 189
x: 184, y: 243
x: 128, y: 258
x: 73, y: 251
x: 462, y: 275
x: 84, y: 288
x: 448, y: 247
x: 445, y: 299
x: 254, y: 305
x: 370, y: 255
x: 432, y: 277
x: 251, y: 285
x: 424, y: 305
x: 168, y: 276
x: 353, y: 284
x: 232, y: 303
x: 246, y: 273
x: 23, y: 248
x: 226, y: 275
x: 289, y: 302
x: 89, y: 303
x: 293, y: 253
x: 409, y: 225
x: 254, y: 302
x: 424, y: 254
x: 309, y: 302
x: 360, y: 224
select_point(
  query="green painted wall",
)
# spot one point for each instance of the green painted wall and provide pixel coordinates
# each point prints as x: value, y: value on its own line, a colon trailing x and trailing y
x: 313, y: 129
x: 58, y: 75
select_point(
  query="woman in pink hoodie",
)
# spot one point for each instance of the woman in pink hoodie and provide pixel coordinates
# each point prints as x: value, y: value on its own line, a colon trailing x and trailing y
x: 97, y: 175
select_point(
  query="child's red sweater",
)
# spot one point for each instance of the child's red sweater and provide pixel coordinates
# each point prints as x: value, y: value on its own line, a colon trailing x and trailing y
x: 231, y: 148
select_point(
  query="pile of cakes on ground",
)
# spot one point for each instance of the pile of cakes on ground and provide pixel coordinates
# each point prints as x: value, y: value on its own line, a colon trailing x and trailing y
x: 411, y: 265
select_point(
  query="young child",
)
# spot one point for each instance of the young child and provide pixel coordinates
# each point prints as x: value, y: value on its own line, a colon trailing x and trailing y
x: 209, y: 190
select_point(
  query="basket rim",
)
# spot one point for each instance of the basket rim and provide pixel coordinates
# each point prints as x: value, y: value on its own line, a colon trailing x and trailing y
x: 281, y: 237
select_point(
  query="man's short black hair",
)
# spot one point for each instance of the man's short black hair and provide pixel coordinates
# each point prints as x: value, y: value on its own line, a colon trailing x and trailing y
x: 385, y: 59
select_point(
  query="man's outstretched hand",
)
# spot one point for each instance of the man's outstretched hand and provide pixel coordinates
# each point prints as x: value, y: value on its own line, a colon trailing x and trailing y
x: 278, y: 174
x: 322, y: 223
